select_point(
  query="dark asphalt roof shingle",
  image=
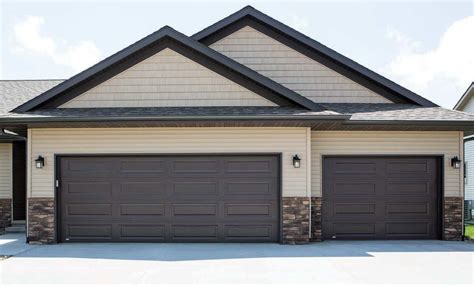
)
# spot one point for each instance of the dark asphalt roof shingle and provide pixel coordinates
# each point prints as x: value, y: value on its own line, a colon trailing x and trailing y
x: 150, y: 112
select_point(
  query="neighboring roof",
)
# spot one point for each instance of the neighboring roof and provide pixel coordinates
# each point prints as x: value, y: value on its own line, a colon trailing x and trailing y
x: 107, y: 68
x: 467, y: 95
x: 398, y: 112
x: 16, y: 92
x: 224, y: 26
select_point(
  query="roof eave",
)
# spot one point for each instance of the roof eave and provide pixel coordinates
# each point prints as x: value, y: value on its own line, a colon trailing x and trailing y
x: 26, y: 120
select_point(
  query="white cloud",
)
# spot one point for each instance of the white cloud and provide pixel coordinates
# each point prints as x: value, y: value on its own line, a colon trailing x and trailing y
x: 29, y: 39
x: 442, y: 73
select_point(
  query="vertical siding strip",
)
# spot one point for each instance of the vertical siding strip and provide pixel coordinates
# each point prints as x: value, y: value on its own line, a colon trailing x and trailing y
x: 6, y: 170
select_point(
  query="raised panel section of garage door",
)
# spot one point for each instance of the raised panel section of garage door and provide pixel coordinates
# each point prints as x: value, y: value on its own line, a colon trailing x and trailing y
x: 380, y: 198
x: 170, y: 198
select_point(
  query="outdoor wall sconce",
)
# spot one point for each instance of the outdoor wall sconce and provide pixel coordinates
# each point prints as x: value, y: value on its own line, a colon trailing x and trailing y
x: 296, y: 161
x: 39, y: 162
x: 455, y: 162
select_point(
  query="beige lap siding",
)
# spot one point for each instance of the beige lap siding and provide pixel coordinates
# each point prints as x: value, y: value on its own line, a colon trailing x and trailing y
x: 293, y: 69
x: 448, y: 144
x: 288, y: 141
x: 167, y: 79
x: 5, y: 171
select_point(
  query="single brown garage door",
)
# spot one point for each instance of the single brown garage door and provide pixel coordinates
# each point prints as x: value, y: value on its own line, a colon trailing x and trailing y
x: 169, y: 198
x: 380, y: 198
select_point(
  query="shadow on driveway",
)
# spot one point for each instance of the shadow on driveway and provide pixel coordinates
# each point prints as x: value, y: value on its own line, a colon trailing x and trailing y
x: 16, y: 246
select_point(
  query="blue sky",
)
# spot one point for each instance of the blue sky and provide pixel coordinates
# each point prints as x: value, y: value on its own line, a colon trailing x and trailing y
x: 425, y: 46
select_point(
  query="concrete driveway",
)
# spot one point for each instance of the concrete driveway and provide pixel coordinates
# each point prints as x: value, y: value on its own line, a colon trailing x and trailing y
x: 328, y: 262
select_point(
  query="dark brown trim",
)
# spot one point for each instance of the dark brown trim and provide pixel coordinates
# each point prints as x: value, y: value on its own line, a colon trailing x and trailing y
x: 440, y: 178
x: 57, y: 176
x: 311, y: 48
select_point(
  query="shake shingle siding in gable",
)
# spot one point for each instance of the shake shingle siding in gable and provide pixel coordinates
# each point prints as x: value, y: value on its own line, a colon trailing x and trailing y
x: 293, y: 69
x: 167, y: 79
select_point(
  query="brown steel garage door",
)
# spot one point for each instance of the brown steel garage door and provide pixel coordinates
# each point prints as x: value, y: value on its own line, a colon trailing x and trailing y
x: 380, y: 198
x: 169, y: 198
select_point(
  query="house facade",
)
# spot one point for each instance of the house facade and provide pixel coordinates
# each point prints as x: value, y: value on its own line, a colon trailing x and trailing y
x: 247, y: 131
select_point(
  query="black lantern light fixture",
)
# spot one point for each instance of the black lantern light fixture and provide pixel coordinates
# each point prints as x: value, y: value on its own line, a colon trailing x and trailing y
x: 296, y: 161
x: 39, y: 162
x: 455, y: 162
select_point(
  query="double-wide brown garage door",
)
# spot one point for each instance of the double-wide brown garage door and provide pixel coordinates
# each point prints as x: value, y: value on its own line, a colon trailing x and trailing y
x: 169, y: 198
x: 380, y: 198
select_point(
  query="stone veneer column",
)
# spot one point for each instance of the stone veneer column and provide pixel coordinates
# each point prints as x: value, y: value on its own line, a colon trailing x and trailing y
x: 316, y: 219
x: 41, y: 222
x: 295, y: 225
x: 452, y: 223
x: 5, y: 214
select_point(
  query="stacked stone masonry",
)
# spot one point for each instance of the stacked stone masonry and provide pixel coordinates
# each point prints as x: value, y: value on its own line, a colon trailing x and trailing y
x: 296, y: 217
x: 5, y: 214
x: 453, y: 220
x: 41, y: 222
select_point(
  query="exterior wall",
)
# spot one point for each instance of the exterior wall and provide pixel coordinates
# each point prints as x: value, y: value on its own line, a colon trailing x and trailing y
x: 469, y: 160
x: 293, y: 69
x: 167, y: 79
x: 6, y: 171
x: 469, y: 106
x: 448, y: 144
x: 288, y: 141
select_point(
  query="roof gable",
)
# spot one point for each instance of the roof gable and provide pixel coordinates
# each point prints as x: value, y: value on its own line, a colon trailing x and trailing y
x: 465, y: 103
x: 249, y: 16
x: 150, y: 45
x: 293, y: 69
x: 167, y: 79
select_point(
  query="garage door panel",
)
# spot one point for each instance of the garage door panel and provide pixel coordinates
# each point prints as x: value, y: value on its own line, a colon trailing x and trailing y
x: 351, y: 187
x: 141, y: 232
x: 192, y: 166
x: 194, y: 231
x: 408, y: 229
x: 409, y: 188
x: 263, y: 209
x: 92, y: 209
x: 180, y: 199
x: 99, y: 188
x: 194, y: 209
x: 141, y: 166
x: 138, y: 209
x: 93, y: 232
x: 261, y: 232
x: 408, y: 208
x: 191, y: 187
x: 249, y: 187
x: 393, y: 203
x: 141, y: 189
